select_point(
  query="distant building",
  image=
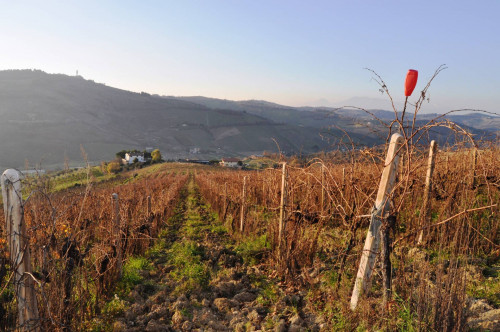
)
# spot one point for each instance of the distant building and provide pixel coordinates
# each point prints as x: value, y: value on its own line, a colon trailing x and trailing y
x: 131, y: 156
x: 229, y: 162
x: 29, y: 172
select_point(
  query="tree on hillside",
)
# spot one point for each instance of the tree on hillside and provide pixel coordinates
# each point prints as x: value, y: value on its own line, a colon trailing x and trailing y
x: 113, y: 167
x: 121, y: 154
x: 156, y: 155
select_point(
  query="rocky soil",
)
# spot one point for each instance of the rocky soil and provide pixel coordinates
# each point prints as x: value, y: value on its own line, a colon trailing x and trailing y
x: 198, y: 278
x: 482, y: 316
x: 210, y: 289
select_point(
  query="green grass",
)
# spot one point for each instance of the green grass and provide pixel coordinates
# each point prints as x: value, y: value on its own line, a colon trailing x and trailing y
x: 489, y: 289
x: 260, y: 163
x: 218, y: 229
x: 132, y: 274
x: 190, y: 271
x: 406, y: 319
x: 62, y: 180
x: 269, y: 293
x: 115, y: 307
x: 253, y: 249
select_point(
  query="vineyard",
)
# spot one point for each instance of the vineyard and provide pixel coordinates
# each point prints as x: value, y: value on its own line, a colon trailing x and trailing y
x: 74, y: 247
x: 289, y: 237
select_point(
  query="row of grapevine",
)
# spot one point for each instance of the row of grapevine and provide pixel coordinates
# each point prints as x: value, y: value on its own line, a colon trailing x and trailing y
x: 74, y: 249
x: 328, y: 207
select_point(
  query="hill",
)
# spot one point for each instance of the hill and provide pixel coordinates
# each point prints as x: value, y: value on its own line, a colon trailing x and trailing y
x: 47, y: 117
x: 356, y: 122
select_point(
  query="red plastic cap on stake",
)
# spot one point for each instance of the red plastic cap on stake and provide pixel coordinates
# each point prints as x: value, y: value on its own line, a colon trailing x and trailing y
x: 411, y: 82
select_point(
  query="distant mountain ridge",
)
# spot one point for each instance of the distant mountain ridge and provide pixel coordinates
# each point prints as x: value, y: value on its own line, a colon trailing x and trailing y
x: 476, y: 120
x: 46, y: 117
x: 357, y: 122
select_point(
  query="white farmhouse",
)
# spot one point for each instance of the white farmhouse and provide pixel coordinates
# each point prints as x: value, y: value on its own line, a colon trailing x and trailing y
x: 131, y: 156
x: 229, y: 162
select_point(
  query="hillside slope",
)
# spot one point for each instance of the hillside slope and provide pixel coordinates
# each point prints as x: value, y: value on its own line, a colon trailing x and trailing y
x: 45, y: 116
x: 355, y: 121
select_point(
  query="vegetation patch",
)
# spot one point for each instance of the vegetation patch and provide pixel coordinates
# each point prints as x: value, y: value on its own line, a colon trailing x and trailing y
x: 133, y: 273
x: 252, y: 250
x: 189, y: 270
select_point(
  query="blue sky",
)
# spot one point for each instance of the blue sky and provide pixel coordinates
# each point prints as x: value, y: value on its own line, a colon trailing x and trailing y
x: 289, y: 52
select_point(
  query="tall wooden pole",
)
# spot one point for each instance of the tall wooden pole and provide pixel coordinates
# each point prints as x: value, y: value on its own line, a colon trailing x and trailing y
x: 225, y: 201
x: 424, y: 214
x: 117, y: 232
x: 385, y: 254
x: 19, y: 250
x: 282, y: 221
x: 380, y: 211
x: 243, y: 203
x: 322, y: 190
x: 343, y: 179
x: 474, y: 165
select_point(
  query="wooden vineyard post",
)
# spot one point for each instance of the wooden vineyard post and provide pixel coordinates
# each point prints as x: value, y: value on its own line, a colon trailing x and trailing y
x: 264, y: 199
x: 380, y: 211
x: 117, y: 232
x: 385, y: 252
x: 243, y: 202
x: 322, y: 190
x: 424, y: 214
x: 283, y: 203
x: 19, y: 250
x: 474, y: 164
x: 343, y: 179
x: 226, y: 203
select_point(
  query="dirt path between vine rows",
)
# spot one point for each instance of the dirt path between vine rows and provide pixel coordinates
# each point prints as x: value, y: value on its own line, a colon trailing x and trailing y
x: 196, y: 280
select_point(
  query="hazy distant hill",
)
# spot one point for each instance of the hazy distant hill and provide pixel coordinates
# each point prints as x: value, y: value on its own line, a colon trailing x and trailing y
x: 321, y: 116
x: 47, y: 116
x: 356, y: 122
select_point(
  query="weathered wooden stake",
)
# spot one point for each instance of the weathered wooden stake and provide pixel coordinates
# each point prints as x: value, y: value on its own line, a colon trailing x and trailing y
x: 380, y: 211
x: 225, y: 201
x: 343, y: 179
x: 117, y: 233
x: 424, y: 214
x: 19, y: 250
x: 264, y: 195
x: 322, y: 190
x: 474, y: 164
x: 385, y: 254
x: 243, y: 203
x: 282, y: 221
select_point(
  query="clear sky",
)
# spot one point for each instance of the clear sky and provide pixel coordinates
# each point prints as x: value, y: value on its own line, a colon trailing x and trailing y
x: 289, y: 52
